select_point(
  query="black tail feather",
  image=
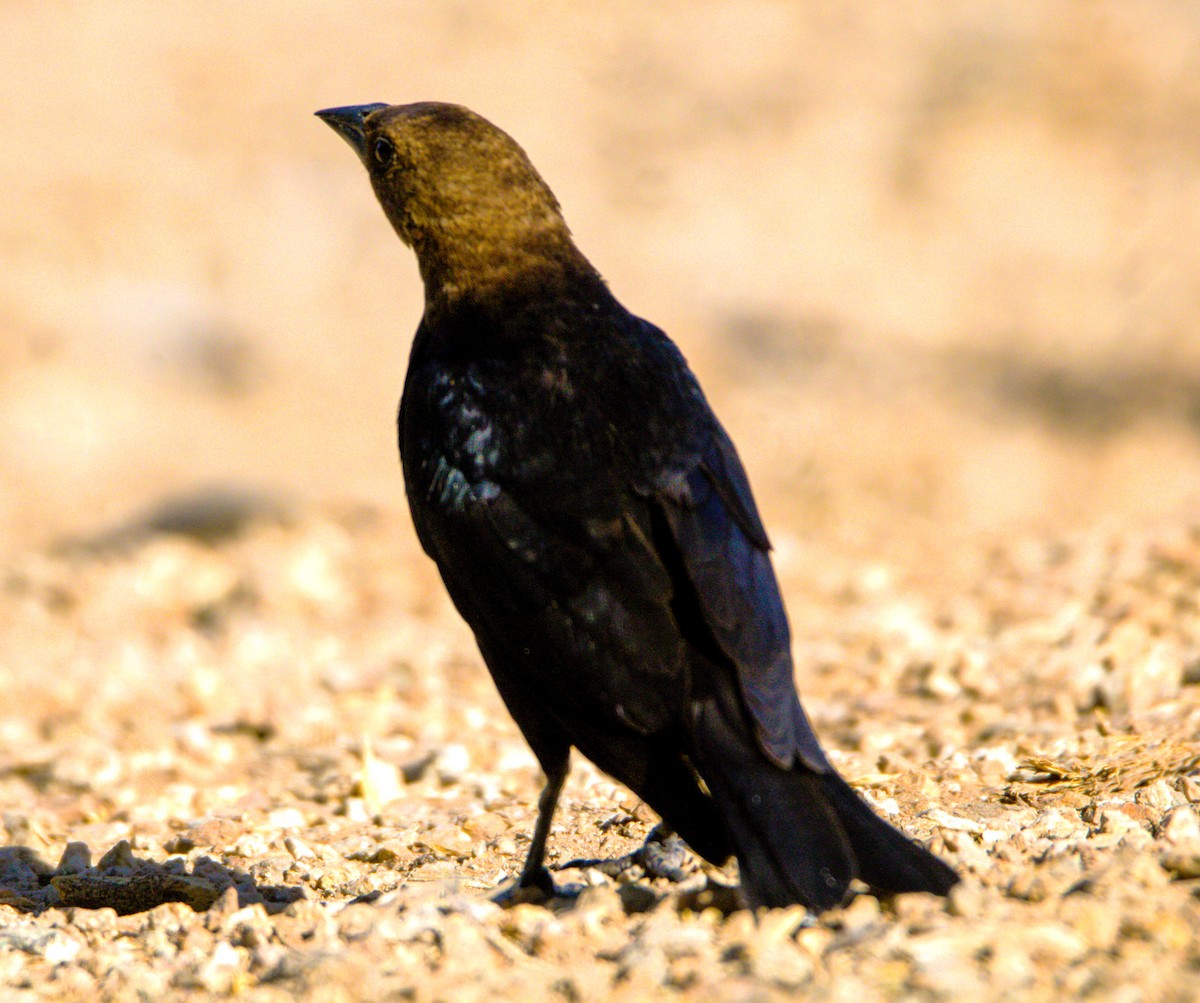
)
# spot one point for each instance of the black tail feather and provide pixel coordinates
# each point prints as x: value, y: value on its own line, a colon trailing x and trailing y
x: 802, y: 836
x: 888, y: 861
x: 790, y: 845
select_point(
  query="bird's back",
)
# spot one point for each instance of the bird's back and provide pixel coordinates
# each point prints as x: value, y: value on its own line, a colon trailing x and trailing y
x: 526, y: 457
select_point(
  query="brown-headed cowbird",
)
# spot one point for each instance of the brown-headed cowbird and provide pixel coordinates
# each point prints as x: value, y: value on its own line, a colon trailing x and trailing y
x: 593, y: 524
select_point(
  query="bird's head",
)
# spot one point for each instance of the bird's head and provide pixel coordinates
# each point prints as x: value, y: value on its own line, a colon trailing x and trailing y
x: 457, y: 189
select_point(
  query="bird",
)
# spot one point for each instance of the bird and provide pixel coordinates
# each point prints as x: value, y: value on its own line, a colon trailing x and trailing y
x: 593, y: 524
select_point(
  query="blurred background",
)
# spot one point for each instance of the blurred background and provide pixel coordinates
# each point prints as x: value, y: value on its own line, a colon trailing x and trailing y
x: 937, y: 264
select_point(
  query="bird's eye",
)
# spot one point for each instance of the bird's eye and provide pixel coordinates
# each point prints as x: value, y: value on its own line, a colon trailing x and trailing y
x: 383, y: 151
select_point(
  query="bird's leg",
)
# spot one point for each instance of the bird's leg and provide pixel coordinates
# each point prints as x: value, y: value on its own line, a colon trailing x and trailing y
x: 535, y: 883
x: 534, y: 872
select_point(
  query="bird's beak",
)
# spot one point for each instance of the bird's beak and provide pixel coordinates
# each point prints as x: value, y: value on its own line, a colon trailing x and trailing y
x: 349, y: 123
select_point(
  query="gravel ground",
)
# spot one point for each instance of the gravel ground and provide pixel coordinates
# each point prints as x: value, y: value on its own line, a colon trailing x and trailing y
x: 267, y: 761
x: 935, y: 265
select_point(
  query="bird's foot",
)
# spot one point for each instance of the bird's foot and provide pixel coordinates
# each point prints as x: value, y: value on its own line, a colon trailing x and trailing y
x: 537, y: 889
x: 665, y: 855
x: 662, y: 855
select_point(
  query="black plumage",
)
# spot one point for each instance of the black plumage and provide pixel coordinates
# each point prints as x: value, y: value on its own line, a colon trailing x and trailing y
x: 593, y: 524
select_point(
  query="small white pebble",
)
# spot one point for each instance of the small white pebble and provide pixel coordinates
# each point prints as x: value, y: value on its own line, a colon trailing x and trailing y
x: 248, y: 845
x: 298, y: 848
x: 1180, y: 825
x: 60, y: 949
x: 286, y: 818
x: 1158, y: 795
x: 453, y: 761
x: 956, y: 823
x: 1054, y: 824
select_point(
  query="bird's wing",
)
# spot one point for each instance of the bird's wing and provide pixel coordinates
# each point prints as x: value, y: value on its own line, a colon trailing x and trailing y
x: 725, y: 555
x: 575, y: 593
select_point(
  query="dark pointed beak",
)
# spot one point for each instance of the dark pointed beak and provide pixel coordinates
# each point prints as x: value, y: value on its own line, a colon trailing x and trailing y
x: 349, y: 122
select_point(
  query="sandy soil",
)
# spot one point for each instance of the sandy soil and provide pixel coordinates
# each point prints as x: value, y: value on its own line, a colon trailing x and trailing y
x: 937, y: 269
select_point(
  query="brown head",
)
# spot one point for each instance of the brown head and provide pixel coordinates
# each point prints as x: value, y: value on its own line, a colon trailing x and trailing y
x: 462, y: 194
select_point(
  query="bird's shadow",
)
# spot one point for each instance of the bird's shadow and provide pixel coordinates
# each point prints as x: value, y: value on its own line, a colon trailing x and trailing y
x: 127, y: 884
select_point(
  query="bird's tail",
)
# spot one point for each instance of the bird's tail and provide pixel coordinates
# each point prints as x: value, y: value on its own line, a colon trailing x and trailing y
x: 802, y: 836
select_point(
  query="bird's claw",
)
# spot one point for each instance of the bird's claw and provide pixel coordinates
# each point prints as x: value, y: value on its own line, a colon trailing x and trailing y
x: 536, y: 889
x: 665, y: 855
x: 662, y: 855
